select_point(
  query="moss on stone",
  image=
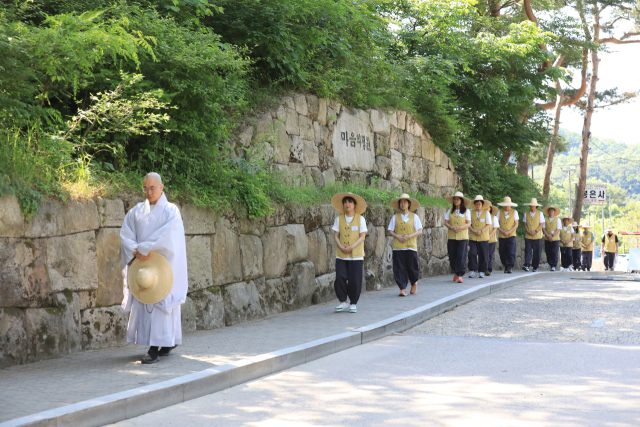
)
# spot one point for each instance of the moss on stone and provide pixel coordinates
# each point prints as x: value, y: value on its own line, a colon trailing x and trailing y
x: 96, y: 326
x: 68, y: 295
x: 55, y: 311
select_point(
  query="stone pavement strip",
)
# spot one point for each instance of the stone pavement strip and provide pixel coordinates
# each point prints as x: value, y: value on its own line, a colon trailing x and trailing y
x: 37, y: 387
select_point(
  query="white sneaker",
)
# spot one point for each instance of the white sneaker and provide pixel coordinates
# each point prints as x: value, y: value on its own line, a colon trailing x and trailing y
x: 472, y: 274
x: 353, y: 309
x: 481, y: 275
x: 553, y: 269
x: 342, y: 306
x: 571, y: 268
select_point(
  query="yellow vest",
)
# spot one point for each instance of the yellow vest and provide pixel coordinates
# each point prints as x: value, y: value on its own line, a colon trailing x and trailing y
x: 494, y: 238
x: 532, y: 224
x: 507, y: 223
x: 405, y: 228
x: 478, y: 224
x: 565, y: 235
x: 587, y: 240
x: 577, y: 238
x: 349, y: 236
x: 457, y: 221
x: 552, y: 226
x: 610, y: 243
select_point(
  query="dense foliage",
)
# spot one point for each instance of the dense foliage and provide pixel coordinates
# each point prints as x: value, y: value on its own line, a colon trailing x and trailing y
x: 94, y: 94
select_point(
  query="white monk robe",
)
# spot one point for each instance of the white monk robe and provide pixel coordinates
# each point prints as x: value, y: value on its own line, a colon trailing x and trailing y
x: 159, y: 229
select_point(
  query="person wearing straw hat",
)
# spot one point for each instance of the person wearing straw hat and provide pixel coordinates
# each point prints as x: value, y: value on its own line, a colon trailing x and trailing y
x: 551, y: 230
x: 458, y: 220
x: 154, y: 268
x: 481, y: 227
x: 588, y: 240
x: 609, y: 248
x: 405, y: 227
x: 577, y: 247
x: 508, y: 220
x: 493, y: 239
x: 533, y: 225
x: 350, y: 229
x: 566, y: 243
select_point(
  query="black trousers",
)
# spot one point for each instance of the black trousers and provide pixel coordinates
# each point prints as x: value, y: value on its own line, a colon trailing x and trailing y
x: 576, y: 258
x: 587, y: 259
x: 566, y: 256
x: 552, y: 249
x: 532, y: 252
x: 348, y: 280
x: 458, y: 255
x: 478, y: 252
x: 490, y: 253
x: 507, y: 251
x: 609, y: 258
x: 405, y: 268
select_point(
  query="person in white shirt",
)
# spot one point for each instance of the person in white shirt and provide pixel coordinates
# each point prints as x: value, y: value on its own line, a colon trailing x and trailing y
x: 551, y: 230
x: 458, y: 220
x: 405, y: 227
x: 350, y: 229
x: 493, y: 239
x: 508, y: 220
x: 481, y: 227
x: 533, y: 225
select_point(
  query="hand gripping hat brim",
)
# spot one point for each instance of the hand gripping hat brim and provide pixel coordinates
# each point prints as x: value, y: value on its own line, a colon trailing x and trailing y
x: 151, y: 280
x: 336, y: 201
x: 467, y: 202
x: 395, y: 203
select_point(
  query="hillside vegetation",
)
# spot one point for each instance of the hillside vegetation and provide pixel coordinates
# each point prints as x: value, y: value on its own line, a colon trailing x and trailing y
x: 94, y: 94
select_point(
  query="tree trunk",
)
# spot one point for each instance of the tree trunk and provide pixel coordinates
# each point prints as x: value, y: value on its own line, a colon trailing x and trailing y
x: 552, y: 144
x: 586, y: 129
x: 523, y: 164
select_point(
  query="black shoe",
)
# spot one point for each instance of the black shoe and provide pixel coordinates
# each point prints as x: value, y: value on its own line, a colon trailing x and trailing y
x: 508, y: 271
x: 151, y: 356
x: 164, y: 351
x: 525, y: 268
x: 488, y: 273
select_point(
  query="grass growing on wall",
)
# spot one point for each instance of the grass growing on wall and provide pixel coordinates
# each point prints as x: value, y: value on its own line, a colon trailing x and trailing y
x: 311, y: 195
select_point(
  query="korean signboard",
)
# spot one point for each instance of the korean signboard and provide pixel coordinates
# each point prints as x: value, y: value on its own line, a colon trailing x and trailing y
x: 595, y: 194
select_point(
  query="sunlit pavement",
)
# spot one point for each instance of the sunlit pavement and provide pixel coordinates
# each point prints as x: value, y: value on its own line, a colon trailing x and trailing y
x: 415, y: 379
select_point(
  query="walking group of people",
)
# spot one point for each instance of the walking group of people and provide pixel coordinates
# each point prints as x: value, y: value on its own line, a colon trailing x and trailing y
x: 154, y: 258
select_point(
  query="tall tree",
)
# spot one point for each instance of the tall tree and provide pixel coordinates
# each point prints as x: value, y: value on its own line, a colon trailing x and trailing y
x: 591, y: 13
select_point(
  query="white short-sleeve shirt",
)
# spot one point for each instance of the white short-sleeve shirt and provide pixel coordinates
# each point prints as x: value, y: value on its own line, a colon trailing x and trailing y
x: 496, y: 222
x: 363, y: 229
x: 486, y: 213
x: 531, y: 214
x: 416, y: 224
x: 467, y: 214
x: 558, y: 223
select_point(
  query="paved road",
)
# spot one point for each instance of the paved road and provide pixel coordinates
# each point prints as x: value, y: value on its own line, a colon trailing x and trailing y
x: 37, y: 387
x: 551, y: 361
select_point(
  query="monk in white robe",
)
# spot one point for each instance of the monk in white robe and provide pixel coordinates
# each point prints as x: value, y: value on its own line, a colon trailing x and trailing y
x: 155, y: 225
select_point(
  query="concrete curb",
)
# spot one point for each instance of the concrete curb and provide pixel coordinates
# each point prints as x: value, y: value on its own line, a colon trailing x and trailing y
x: 132, y: 403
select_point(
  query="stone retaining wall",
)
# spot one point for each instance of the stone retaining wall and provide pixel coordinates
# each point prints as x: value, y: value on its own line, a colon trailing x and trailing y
x: 317, y: 141
x: 61, y: 285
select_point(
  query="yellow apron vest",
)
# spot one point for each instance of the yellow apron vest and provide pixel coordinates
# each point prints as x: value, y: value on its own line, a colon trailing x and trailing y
x: 577, y: 238
x: 405, y: 228
x: 348, y: 236
x: 587, y: 240
x: 532, y: 224
x: 565, y: 234
x: 552, y: 226
x: 610, y: 243
x: 507, y: 223
x: 478, y: 224
x: 457, y: 221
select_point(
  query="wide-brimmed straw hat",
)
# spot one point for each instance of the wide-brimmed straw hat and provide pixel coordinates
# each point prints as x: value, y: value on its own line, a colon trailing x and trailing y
x: 609, y: 229
x: 533, y: 202
x: 467, y: 202
x: 507, y: 202
x: 546, y: 210
x: 575, y: 224
x: 336, y: 201
x: 395, y: 203
x: 494, y: 210
x: 486, y: 205
x: 567, y: 217
x: 150, y: 281
x: 586, y: 226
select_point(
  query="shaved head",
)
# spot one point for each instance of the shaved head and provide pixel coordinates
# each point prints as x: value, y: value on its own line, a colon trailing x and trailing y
x: 154, y: 176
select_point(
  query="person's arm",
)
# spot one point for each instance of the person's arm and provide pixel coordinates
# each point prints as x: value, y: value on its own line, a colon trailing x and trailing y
x: 616, y: 244
x: 558, y: 227
x: 355, y: 245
